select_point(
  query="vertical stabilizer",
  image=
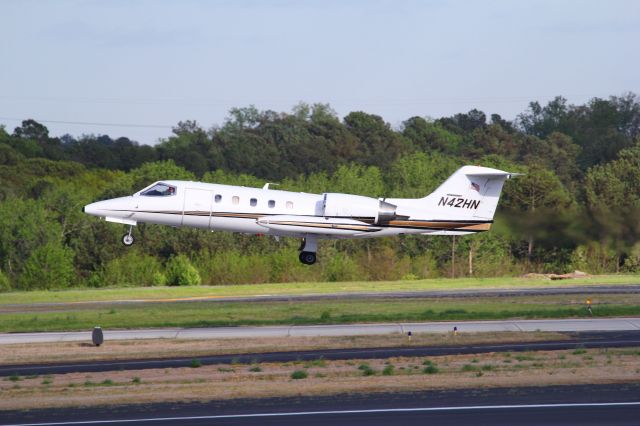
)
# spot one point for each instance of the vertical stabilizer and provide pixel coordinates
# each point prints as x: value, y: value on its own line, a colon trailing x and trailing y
x: 471, y: 193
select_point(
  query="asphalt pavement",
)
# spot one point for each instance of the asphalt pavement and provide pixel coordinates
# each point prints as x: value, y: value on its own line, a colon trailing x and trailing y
x: 578, y: 340
x: 561, y: 325
x: 614, y: 405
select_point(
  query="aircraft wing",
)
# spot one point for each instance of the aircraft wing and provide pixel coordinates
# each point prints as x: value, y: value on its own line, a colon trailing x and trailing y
x: 315, y: 225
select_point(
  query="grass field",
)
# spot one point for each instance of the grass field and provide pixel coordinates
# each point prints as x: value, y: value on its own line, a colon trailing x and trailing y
x: 151, y: 293
x: 207, y: 314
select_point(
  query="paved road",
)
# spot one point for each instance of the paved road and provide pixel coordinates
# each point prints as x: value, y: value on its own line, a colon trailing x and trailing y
x: 563, y: 325
x: 578, y: 340
x: 586, y: 291
x: 554, y: 405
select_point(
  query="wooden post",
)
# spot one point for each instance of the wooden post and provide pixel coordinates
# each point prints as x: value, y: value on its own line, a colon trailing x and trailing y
x: 471, y: 259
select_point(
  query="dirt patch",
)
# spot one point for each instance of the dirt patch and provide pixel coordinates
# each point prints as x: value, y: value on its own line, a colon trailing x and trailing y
x: 40, y: 353
x: 594, y: 366
x: 570, y: 275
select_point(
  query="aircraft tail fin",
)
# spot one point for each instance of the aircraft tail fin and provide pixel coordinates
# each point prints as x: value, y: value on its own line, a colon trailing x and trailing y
x: 471, y: 193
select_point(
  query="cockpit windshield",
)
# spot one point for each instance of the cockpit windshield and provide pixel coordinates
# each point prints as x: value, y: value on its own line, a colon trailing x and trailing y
x: 160, y: 190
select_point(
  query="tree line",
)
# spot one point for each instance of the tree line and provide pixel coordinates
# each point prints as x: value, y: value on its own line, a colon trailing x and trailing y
x: 575, y: 207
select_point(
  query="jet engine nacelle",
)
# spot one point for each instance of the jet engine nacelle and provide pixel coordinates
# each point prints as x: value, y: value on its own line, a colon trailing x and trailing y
x: 365, y: 209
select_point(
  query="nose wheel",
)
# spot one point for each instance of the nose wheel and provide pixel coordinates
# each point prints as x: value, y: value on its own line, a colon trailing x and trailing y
x: 127, y: 239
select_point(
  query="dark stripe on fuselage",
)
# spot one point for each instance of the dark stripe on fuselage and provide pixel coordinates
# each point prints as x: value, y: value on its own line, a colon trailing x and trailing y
x: 427, y: 225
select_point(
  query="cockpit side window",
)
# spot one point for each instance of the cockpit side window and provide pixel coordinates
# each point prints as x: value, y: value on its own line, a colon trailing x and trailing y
x: 160, y: 190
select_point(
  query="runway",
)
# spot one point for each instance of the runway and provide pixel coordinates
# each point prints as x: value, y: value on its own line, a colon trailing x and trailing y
x: 561, y: 325
x: 578, y: 340
x: 585, y: 290
x: 554, y: 405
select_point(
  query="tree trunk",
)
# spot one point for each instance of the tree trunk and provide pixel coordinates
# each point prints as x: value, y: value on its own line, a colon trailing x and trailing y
x: 453, y: 256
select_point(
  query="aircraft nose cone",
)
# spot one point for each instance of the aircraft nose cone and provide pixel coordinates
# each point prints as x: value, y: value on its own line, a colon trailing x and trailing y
x: 92, y: 209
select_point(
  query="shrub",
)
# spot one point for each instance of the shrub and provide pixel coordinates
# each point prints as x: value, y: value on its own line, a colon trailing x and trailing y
x: 159, y: 279
x: 299, y: 374
x: 341, y: 267
x: 180, y: 272
x: 196, y: 363
x: 366, y: 370
x: 133, y: 269
x: 232, y: 267
x: 388, y: 370
x: 430, y: 369
x: 48, y: 266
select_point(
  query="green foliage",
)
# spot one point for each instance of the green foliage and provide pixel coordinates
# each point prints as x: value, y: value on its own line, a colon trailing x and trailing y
x: 341, y: 267
x: 575, y: 207
x: 181, y: 272
x: 366, y: 370
x: 134, y: 269
x: 299, y: 374
x: 5, y: 284
x: 388, y: 370
x: 430, y: 369
x: 417, y: 175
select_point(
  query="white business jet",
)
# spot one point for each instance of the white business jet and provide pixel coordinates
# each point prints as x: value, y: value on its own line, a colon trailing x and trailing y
x: 465, y: 203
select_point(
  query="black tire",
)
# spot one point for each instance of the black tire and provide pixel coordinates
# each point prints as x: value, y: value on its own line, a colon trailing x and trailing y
x: 127, y: 239
x: 308, y: 257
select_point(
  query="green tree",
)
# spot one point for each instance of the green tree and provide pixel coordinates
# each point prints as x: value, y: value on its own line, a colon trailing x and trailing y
x: 613, y: 200
x: 48, y: 267
x: 381, y: 145
x: 538, y: 194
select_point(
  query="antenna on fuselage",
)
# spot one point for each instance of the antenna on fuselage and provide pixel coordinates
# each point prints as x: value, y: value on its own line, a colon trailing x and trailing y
x: 266, y: 185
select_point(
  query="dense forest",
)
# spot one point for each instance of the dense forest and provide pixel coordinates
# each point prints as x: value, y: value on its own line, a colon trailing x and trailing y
x: 576, y: 206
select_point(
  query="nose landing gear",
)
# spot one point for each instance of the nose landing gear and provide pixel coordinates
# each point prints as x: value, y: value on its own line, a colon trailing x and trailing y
x: 127, y: 239
x: 308, y: 250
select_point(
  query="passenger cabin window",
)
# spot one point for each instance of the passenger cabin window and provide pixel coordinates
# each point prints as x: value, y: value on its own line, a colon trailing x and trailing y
x: 235, y: 199
x: 253, y: 202
x: 272, y: 204
x: 289, y: 204
x: 160, y: 190
x: 218, y: 198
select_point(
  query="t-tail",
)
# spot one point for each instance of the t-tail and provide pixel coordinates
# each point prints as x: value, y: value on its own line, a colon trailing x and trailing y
x: 469, y: 197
